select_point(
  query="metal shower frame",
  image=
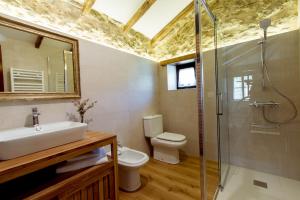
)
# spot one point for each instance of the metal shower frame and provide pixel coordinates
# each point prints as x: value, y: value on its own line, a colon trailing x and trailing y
x: 200, y: 85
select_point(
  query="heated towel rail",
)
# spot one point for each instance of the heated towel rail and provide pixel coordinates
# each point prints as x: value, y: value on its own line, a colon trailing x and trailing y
x: 27, y: 80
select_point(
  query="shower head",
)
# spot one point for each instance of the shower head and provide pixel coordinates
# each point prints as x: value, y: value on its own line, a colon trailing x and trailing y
x: 264, y: 24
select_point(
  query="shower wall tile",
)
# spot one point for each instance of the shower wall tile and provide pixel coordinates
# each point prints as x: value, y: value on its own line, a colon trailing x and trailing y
x: 179, y: 108
x: 276, y: 154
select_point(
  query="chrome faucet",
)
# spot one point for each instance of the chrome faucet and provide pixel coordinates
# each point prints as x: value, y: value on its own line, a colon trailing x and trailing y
x: 35, y: 119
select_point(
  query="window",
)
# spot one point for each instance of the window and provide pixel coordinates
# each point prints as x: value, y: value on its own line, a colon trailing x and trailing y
x: 186, y: 75
x: 241, y: 87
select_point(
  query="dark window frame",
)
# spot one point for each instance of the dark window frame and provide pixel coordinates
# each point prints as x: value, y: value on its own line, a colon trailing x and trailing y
x: 184, y: 66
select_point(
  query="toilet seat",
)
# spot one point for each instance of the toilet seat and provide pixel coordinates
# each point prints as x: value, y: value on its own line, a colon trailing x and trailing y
x: 167, y: 143
x: 173, y: 137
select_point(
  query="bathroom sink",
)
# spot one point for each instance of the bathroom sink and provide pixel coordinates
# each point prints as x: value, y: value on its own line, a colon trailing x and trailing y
x: 26, y: 140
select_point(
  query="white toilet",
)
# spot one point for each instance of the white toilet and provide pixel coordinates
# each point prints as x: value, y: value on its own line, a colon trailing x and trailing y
x: 166, y: 145
x: 129, y: 161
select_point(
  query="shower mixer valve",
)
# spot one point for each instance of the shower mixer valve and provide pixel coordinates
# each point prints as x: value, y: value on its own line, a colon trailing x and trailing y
x: 257, y: 104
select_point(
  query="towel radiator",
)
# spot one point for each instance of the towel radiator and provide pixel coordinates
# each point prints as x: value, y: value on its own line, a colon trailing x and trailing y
x: 23, y: 80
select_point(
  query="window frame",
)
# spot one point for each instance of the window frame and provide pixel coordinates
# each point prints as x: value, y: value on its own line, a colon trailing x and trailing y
x: 246, y: 83
x: 184, y: 66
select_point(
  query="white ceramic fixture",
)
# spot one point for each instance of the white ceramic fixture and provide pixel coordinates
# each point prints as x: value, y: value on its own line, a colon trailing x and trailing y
x: 22, y: 141
x: 166, y: 145
x: 130, y: 161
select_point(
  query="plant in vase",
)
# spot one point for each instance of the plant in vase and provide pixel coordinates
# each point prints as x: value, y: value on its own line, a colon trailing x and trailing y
x: 83, y: 106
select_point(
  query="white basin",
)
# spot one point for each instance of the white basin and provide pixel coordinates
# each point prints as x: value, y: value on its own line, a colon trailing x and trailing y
x: 26, y: 140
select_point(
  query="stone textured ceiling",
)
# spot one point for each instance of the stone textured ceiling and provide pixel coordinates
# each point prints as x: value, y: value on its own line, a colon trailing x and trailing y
x: 66, y: 16
x: 237, y: 22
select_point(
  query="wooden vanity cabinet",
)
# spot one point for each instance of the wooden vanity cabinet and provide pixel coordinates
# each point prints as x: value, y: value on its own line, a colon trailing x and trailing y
x: 93, y: 183
x: 92, y: 189
x: 99, y: 182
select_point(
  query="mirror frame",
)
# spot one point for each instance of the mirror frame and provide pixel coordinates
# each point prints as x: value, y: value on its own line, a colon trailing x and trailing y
x: 45, y: 33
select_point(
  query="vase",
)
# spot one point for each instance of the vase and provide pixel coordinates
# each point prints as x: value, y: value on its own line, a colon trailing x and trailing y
x: 82, y: 118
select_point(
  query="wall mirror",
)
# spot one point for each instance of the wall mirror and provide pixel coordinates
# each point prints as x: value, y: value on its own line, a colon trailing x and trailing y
x: 37, y: 64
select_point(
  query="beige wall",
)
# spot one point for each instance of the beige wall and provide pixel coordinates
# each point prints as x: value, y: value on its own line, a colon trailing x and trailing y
x: 210, y: 117
x: 179, y: 108
x: 298, y: 13
x: 124, y: 85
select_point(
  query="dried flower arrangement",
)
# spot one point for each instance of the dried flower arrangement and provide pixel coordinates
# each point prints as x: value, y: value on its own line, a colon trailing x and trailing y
x: 83, y: 106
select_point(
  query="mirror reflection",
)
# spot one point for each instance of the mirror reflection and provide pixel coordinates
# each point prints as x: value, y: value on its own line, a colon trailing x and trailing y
x: 34, y: 63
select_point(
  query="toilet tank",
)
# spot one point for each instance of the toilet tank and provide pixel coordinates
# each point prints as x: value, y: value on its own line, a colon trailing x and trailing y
x: 153, y: 125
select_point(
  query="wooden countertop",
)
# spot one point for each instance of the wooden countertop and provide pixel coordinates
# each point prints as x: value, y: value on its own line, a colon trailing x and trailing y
x: 20, y: 166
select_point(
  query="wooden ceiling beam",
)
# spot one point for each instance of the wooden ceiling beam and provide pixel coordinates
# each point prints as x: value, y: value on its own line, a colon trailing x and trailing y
x: 168, y: 28
x: 177, y: 59
x: 38, y: 41
x: 138, y: 14
x: 87, y: 6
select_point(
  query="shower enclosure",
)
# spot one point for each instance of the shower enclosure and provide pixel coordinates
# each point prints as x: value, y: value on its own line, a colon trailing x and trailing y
x: 207, y: 63
x: 257, y: 98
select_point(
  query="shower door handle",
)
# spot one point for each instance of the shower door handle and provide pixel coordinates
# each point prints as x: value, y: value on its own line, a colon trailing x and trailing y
x: 219, y: 103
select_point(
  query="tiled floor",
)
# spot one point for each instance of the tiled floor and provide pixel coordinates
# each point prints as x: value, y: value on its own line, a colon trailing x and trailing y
x: 239, y: 186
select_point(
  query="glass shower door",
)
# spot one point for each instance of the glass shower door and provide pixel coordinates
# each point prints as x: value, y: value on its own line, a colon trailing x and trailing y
x: 222, y: 107
x: 212, y: 76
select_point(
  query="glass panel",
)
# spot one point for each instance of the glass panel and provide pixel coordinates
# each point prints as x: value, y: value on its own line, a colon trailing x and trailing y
x: 257, y: 85
x: 222, y: 98
x: 206, y: 65
x: 259, y: 79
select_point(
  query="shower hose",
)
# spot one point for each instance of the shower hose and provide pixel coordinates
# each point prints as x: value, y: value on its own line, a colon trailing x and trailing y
x: 276, y: 90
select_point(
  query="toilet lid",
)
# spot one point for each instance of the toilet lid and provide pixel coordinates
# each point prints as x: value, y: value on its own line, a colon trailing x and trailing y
x: 171, y: 137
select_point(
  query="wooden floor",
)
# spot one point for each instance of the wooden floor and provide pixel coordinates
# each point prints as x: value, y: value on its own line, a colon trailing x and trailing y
x: 161, y: 181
